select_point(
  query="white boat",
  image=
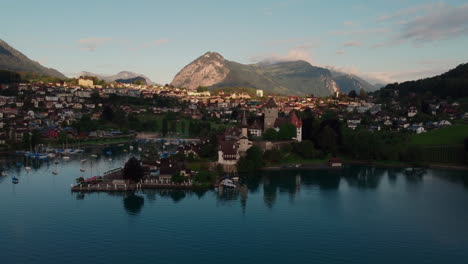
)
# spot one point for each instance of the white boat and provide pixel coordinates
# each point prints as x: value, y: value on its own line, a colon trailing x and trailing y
x: 84, y: 160
x: 55, y: 172
x: 227, y: 183
x: 27, y: 168
x: 4, y: 173
x: 140, y: 149
x: 65, y: 158
x: 82, y: 169
x: 51, y: 155
x: 131, y: 147
x: 110, y: 159
x: 94, y: 155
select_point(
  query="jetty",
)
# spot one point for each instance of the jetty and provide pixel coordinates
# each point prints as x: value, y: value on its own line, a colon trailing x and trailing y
x: 122, y: 187
x: 112, y: 181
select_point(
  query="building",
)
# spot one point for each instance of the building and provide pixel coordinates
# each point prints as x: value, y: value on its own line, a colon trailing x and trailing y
x: 271, y: 114
x: 86, y: 83
x: 259, y: 93
x: 297, y: 122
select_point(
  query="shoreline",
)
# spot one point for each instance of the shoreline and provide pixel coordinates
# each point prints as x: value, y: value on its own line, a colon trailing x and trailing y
x: 324, y: 166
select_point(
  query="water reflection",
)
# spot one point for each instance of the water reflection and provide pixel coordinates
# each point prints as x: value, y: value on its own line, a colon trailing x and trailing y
x: 273, y: 186
x: 133, y: 203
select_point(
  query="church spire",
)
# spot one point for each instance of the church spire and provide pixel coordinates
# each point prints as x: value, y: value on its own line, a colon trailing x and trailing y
x: 244, y: 120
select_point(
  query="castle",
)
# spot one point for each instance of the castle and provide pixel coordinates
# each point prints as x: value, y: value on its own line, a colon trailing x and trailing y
x: 235, y: 142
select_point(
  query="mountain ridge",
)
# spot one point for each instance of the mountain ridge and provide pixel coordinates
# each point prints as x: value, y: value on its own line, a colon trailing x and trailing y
x: 286, y: 77
x: 13, y: 60
x: 122, y: 75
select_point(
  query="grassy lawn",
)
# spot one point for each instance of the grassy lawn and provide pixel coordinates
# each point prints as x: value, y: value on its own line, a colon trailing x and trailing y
x: 451, y: 135
x: 198, y: 165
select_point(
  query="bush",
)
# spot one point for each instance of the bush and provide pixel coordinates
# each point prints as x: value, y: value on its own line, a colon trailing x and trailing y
x: 306, y: 149
x: 270, y: 134
x: 204, y: 177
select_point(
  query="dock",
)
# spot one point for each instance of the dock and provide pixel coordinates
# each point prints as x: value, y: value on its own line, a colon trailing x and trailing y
x: 109, y: 187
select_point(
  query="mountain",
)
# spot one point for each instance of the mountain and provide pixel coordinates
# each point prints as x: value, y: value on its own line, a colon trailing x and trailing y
x: 132, y: 80
x: 348, y: 82
x: 293, y: 78
x: 13, y: 60
x: 123, y: 75
x: 453, y: 83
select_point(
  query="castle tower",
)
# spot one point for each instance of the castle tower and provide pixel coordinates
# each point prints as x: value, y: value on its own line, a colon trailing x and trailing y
x: 271, y: 114
x: 297, y: 122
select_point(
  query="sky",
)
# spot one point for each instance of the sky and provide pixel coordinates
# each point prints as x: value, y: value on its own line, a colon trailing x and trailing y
x: 382, y: 41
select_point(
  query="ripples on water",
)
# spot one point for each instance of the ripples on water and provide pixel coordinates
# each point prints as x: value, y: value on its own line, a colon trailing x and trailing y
x: 353, y: 215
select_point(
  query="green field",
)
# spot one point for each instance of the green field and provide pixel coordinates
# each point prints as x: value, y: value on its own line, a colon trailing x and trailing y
x: 452, y: 135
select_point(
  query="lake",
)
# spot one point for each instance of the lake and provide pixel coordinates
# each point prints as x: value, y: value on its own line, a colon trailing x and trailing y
x: 355, y: 215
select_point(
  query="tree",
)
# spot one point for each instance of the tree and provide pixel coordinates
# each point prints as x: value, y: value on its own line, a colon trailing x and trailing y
x: 133, y: 170
x: 95, y: 97
x: 270, y: 134
x: 139, y: 82
x: 177, y: 178
x: 107, y: 113
x: 204, y: 177
x: 327, y: 139
x: 253, y: 161
x: 287, y: 131
x: 352, y: 94
x: 306, y: 149
x: 62, y: 137
x: 164, y: 127
x: 150, y: 154
x: 35, y: 138
x: 362, y: 94
x: 202, y: 89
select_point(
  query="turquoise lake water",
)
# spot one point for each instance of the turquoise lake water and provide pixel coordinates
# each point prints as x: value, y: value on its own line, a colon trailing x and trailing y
x: 354, y: 215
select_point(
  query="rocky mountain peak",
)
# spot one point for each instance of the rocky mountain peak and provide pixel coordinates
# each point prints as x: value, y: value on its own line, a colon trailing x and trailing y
x: 206, y: 70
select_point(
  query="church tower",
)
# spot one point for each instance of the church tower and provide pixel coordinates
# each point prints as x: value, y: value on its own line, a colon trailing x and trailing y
x: 244, y: 125
x: 271, y: 114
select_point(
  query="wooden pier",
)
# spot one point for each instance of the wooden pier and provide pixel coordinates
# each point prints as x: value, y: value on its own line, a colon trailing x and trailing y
x: 110, y: 187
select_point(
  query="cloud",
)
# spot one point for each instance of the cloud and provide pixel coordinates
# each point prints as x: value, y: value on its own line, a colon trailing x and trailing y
x: 155, y: 43
x: 426, y: 23
x: 368, y: 31
x: 349, y: 23
x: 352, y: 44
x: 161, y: 41
x: 92, y: 43
x: 297, y: 53
x: 407, y: 12
x: 445, y: 22
x: 340, y: 52
x: 375, y: 77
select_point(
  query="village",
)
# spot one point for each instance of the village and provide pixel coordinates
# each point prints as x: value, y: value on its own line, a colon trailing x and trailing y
x: 226, y: 123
